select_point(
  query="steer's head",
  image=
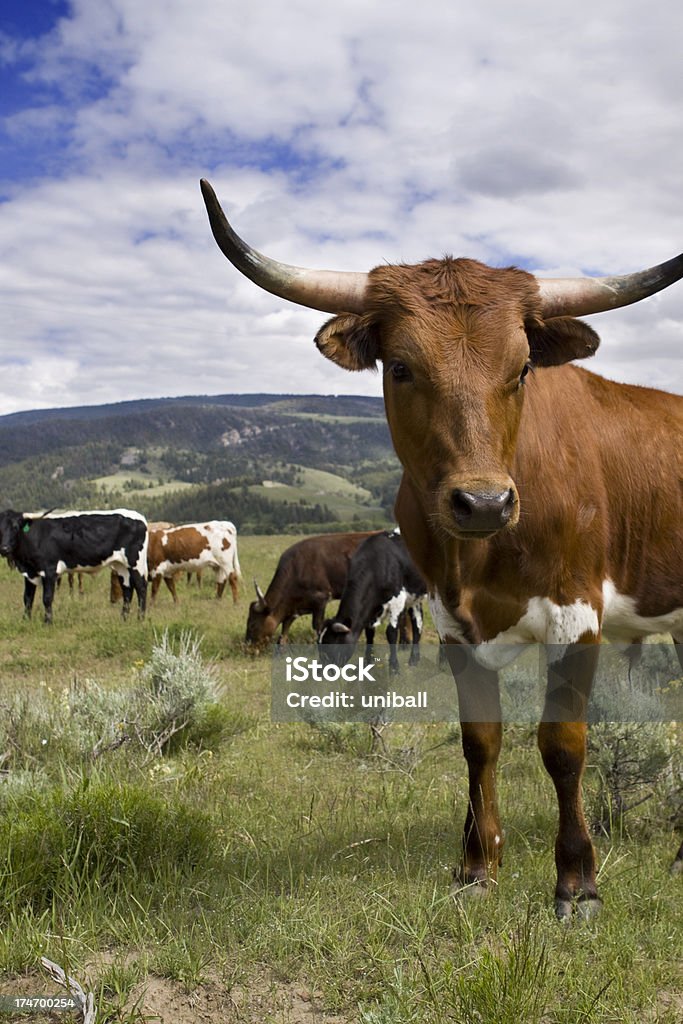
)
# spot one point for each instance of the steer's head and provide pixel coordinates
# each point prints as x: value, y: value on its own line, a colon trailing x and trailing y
x: 261, y: 621
x: 456, y: 340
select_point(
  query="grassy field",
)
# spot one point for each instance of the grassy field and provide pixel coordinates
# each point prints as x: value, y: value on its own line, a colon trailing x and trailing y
x: 144, y: 484
x: 316, y: 486
x: 240, y: 870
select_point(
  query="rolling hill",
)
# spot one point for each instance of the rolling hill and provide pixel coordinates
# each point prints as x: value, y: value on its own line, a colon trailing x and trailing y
x: 271, y: 463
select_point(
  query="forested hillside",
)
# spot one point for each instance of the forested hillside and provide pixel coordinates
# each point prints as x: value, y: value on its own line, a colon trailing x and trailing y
x: 271, y: 463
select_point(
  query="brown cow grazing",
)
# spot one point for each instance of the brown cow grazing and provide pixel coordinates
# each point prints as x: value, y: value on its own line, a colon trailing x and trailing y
x: 194, y: 546
x: 309, y: 574
x: 541, y: 503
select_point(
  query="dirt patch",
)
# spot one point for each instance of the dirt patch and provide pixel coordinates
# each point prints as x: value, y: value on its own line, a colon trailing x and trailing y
x: 262, y: 1001
x: 258, y: 1003
x: 669, y: 1003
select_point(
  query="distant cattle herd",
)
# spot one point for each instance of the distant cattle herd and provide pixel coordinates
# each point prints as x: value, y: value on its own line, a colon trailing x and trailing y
x: 45, y: 547
x: 371, y: 572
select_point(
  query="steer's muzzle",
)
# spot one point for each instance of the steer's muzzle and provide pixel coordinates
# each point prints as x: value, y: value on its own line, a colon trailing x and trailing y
x: 481, y: 513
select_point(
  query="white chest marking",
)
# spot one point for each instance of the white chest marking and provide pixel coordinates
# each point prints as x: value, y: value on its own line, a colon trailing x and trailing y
x: 545, y: 622
x: 446, y: 625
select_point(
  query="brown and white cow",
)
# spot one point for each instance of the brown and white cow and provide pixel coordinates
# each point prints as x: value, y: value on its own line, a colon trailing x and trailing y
x: 191, y: 547
x: 542, y: 503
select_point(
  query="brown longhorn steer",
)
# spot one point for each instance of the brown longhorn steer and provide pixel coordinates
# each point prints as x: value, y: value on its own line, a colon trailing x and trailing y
x: 541, y: 503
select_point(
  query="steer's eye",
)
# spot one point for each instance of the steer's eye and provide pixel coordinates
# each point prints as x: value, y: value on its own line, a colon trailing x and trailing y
x: 399, y: 371
x: 525, y: 370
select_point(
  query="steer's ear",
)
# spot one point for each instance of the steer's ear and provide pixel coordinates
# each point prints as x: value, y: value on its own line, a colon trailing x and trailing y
x: 557, y: 341
x: 350, y: 341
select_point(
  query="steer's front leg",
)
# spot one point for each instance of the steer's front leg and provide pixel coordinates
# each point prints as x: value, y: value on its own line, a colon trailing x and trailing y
x: 562, y: 738
x: 481, y: 724
x: 29, y: 594
x: 49, y: 585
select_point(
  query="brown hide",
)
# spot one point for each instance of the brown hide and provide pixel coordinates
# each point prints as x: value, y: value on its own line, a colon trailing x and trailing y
x: 182, y: 544
x: 309, y: 574
x: 465, y: 415
x: 176, y: 548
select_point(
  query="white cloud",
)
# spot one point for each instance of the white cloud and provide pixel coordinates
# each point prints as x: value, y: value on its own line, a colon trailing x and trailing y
x: 337, y: 135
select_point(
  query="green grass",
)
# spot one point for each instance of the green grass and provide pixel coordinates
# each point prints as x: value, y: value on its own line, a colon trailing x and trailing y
x: 262, y: 856
x: 133, y: 484
x: 315, y: 486
x: 344, y: 498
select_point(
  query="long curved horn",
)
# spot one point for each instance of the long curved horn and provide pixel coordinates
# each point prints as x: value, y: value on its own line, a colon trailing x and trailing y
x: 259, y: 593
x: 579, y: 296
x: 327, y: 290
x: 344, y: 292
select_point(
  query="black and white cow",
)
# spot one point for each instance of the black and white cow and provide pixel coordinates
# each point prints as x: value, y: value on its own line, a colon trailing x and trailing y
x: 381, y: 585
x: 44, y: 547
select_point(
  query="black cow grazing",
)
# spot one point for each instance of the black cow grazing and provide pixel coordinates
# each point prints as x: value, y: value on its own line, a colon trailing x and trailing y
x: 43, y: 548
x: 381, y: 585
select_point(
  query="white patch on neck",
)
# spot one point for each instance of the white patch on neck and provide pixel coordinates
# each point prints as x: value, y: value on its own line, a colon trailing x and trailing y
x: 543, y: 622
x: 446, y: 625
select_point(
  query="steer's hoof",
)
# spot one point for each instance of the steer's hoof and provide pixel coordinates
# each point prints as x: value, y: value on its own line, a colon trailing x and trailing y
x: 474, y: 890
x: 677, y: 867
x: 585, y: 910
x: 563, y: 910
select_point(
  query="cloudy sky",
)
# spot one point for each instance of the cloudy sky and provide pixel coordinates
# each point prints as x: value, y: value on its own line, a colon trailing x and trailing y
x: 338, y: 135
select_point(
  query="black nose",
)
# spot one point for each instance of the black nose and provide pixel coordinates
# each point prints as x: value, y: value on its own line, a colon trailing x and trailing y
x: 482, y: 512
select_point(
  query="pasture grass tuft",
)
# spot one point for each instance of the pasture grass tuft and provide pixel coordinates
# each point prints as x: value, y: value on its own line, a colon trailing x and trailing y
x: 172, y: 700
x: 56, y: 843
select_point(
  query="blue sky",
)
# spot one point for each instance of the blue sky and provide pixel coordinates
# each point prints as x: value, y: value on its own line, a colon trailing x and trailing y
x: 21, y: 24
x: 339, y: 136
